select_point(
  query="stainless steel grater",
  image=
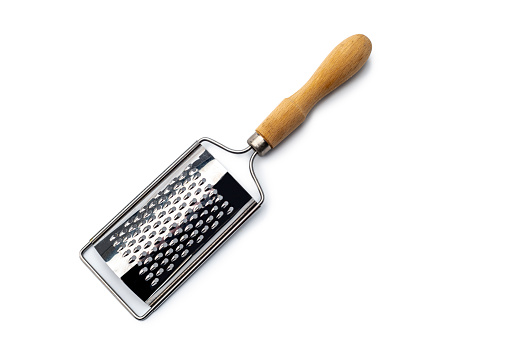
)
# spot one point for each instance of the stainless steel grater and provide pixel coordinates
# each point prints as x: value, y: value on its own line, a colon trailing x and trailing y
x: 164, y: 235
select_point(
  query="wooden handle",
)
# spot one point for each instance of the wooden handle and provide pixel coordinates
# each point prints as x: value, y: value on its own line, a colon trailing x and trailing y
x: 342, y: 63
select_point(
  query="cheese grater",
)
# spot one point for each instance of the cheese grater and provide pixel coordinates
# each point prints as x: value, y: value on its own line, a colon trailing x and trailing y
x: 175, y: 224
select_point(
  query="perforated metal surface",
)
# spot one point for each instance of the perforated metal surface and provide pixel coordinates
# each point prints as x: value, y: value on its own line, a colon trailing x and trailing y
x: 160, y: 234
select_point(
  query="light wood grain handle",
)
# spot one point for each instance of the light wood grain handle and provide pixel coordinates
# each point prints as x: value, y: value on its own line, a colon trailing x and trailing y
x: 342, y: 63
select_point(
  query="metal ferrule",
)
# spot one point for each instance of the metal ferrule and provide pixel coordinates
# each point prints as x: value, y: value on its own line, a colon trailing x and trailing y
x: 259, y: 144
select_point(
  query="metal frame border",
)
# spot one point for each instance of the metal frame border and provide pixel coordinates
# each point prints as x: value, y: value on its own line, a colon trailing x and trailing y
x: 211, y: 249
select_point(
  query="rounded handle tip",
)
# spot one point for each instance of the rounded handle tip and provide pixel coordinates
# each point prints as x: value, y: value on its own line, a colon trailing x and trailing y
x: 363, y: 39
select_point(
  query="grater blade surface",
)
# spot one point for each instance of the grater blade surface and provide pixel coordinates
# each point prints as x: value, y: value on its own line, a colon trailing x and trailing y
x: 149, y: 246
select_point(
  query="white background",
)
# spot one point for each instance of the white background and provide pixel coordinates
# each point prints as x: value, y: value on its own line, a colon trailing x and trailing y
x: 386, y: 212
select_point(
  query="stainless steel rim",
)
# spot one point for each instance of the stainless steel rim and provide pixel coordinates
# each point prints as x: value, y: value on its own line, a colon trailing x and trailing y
x: 210, y: 250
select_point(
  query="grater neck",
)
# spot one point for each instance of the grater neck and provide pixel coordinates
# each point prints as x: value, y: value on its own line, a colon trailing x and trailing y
x: 259, y: 144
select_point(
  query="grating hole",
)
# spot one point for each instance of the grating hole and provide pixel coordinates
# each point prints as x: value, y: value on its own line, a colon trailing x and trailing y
x: 220, y: 214
x: 209, y: 219
x: 204, y: 229
x: 159, y: 271
x: 132, y: 242
x: 158, y: 256
x: 171, y: 210
x: 142, y: 256
x: 149, y: 276
x: 189, y: 227
x: 146, y: 229
x: 152, y: 234
x: 157, y: 224
x: 148, y: 260
x: 184, y: 237
x: 173, y: 242
x: 189, y: 244
x: 178, y: 231
x: 164, y: 262
x: 132, y: 259
x: 194, y: 233
x: 184, y: 253
x: 155, y: 281
x: 143, y: 271
x: 199, y: 239
x: 215, y: 224
x: 142, y: 238
x: 136, y: 249
x: 179, y: 248
x: 170, y: 267
x: 154, y: 266
x: 126, y: 253
x: 173, y: 258
x: 230, y: 210
x: 148, y: 244
x: 168, y: 252
x: 199, y: 223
